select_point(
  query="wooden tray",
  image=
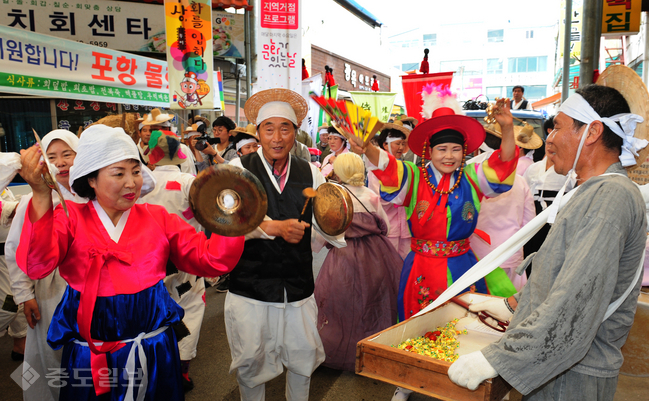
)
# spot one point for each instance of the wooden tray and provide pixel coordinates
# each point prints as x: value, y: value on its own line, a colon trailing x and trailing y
x: 378, y: 359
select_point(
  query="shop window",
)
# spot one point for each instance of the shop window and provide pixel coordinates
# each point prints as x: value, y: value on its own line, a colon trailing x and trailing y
x: 495, y: 36
x: 409, y: 66
x: 532, y: 92
x: 18, y: 117
x: 494, y: 66
x: 430, y: 40
x: 492, y: 92
x: 465, y: 67
x: 527, y: 64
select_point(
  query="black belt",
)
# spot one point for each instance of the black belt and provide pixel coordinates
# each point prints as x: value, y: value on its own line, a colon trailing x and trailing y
x: 2, y: 249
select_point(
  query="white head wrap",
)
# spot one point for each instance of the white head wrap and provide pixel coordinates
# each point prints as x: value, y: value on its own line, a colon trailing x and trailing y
x: 276, y: 109
x: 139, y: 127
x: 577, y: 108
x: 191, y: 133
x: 244, y: 142
x: 66, y: 136
x: 323, y: 131
x: 101, y: 146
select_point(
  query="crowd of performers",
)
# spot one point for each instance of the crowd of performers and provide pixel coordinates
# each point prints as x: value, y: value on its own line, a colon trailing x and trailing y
x: 111, y: 290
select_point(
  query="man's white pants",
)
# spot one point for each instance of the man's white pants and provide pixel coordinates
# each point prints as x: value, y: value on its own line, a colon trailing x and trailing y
x: 12, y: 319
x: 193, y: 302
x: 264, y: 337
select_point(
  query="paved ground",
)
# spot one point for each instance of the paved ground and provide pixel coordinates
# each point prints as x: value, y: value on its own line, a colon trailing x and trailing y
x: 210, y: 371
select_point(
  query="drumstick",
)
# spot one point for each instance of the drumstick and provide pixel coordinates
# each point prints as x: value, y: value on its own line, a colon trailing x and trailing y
x: 309, y: 193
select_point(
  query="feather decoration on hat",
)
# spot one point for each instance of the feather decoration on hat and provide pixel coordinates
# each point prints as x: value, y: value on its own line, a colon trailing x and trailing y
x: 436, y: 96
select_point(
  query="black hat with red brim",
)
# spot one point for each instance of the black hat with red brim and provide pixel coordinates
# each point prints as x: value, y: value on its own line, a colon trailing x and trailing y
x: 445, y: 118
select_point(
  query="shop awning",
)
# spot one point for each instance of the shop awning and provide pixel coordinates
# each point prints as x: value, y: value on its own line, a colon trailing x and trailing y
x: 548, y: 100
x: 215, y: 3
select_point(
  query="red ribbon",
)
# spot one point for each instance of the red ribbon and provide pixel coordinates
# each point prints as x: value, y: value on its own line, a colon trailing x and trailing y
x: 98, y: 359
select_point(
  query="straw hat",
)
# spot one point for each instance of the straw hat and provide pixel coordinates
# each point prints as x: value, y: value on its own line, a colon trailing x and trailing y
x: 397, y: 125
x: 156, y: 117
x: 323, y: 126
x: 407, y: 119
x: 191, y: 129
x: 250, y: 129
x: 259, y: 99
x: 525, y: 136
x: 630, y: 85
x: 128, y: 121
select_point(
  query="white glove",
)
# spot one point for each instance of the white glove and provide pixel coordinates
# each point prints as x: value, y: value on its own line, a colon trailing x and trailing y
x: 496, y: 307
x: 470, y: 370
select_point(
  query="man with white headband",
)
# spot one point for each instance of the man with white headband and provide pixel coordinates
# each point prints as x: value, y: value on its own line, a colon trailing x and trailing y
x: 566, y: 328
x: 323, y: 145
x: 270, y: 311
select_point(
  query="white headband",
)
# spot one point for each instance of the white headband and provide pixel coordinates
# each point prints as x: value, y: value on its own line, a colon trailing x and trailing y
x: 323, y: 131
x: 578, y: 109
x: 276, y: 109
x: 338, y: 135
x: 391, y: 139
x: 139, y: 127
x: 244, y: 142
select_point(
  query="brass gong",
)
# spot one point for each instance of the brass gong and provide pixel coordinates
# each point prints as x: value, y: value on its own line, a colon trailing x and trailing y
x: 228, y: 200
x: 333, y: 208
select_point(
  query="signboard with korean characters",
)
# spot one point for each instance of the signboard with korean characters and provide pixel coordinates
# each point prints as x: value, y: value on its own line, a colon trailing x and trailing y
x: 189, y: 53
x: 621, y: 17
x: 278, y: 44
x: 115, y: 25
x: 41, y: 65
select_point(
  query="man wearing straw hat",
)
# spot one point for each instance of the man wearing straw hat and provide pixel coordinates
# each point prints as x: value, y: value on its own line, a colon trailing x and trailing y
x: 573, y: 316
x: 270, y: 311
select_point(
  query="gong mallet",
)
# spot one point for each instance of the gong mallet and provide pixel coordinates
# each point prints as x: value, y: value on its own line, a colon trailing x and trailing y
x: 309, y: 193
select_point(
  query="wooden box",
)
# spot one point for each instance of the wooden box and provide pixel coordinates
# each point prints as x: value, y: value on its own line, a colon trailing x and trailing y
x: 378, y: 359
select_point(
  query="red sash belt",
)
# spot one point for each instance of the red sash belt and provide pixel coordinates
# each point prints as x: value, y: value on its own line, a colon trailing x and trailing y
x: 440, y: 249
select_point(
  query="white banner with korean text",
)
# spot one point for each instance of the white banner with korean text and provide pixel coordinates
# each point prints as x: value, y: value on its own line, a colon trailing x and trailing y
x: 278, y: 44
x: 41, y: 65
x: 114, y: 24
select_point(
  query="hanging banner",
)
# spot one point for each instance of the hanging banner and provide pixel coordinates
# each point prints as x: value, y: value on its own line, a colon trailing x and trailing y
x: 114, y: 24
x: 41, y: 65
x: 310, y: 123
x: 379, y: 103
x: 412, y: 86
x: 189, y: 53
x: 278, y: 44
x: 621, y: 17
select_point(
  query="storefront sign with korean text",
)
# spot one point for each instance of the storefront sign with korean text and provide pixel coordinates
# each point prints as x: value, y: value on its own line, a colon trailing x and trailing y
x: 278, y: 38
x: 114, y: 24
x: 31, y: 63
x: 621, y: 17
x: 189, y: 53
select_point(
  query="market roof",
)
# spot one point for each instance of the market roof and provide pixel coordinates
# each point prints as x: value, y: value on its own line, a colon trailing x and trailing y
x: 215, y: 3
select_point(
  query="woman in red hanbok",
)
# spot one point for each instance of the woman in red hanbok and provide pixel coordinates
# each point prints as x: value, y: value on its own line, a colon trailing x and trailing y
x: 113, y: 320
